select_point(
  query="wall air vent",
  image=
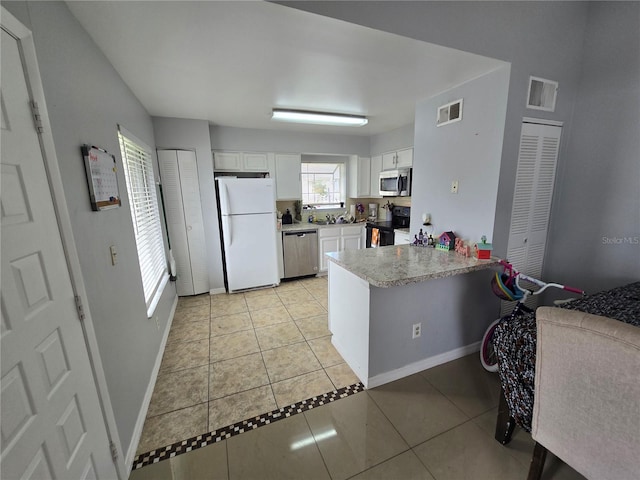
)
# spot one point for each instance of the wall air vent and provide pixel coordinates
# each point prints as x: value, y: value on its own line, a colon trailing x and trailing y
x: 542, y: 94
x: 449, y: 113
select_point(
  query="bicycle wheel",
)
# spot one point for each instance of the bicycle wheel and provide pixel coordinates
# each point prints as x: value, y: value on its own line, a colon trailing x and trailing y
x: 488, y: 356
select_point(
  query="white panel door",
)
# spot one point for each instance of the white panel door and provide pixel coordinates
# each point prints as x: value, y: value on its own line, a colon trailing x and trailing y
x: 52, y: 423
x: 535, y: 178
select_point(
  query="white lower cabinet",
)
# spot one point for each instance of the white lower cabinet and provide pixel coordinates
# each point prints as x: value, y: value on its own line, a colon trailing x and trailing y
x: 401, y: 238
x: 337, y: 239
x: 327, y: 244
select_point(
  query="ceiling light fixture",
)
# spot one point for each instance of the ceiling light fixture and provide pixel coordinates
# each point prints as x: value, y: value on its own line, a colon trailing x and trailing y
x: 318, y: 118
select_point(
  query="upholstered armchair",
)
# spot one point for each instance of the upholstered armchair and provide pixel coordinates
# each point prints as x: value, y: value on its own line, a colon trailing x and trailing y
x: 587, y: 394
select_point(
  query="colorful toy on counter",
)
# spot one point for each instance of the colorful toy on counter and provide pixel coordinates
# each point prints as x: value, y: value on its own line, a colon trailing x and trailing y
x: 462, y: 247
x: 483, y: 249
x: 421, y: 240
x: 447, y: 241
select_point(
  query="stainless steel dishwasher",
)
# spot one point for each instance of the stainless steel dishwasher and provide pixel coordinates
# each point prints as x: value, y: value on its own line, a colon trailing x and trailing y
x: 300, y: 251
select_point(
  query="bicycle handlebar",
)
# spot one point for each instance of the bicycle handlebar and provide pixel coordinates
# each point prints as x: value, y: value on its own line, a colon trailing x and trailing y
x: 543, y: 285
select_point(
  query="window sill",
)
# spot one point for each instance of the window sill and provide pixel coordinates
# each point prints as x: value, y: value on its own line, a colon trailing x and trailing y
x: 156, y: 298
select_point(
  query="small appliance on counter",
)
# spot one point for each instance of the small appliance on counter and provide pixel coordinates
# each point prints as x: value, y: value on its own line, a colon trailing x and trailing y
x: 373, y: 212
x: 287, y: 218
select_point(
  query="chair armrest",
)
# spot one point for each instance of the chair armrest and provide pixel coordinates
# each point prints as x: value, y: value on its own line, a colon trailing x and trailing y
x: 587, y: 392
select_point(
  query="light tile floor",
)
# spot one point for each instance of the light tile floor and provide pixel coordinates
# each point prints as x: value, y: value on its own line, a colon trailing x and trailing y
x: 232, y: 357
x: 435, y: 425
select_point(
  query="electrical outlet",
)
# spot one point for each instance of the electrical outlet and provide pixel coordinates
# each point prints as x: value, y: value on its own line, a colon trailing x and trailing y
x: 454, y: 186
x: 417, y: 330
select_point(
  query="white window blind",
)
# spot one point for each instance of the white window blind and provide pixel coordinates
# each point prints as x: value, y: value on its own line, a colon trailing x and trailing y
x: 143, y: 202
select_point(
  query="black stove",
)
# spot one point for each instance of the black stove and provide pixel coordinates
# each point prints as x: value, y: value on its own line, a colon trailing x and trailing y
x: 400, y: 217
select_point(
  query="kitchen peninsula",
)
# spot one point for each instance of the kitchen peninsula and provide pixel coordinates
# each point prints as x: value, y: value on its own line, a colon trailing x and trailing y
x: 377, y: 296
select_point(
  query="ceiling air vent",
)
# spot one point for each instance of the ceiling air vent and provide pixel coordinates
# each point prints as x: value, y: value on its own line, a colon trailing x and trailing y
x: 542, y: 94
x: 449, y: 113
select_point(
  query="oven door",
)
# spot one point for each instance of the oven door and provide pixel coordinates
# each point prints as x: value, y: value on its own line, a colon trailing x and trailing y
x: 381, y: 238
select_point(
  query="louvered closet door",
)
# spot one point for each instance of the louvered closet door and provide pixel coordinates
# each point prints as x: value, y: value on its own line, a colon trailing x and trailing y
x: 183, y: 209
x: 535, y: 178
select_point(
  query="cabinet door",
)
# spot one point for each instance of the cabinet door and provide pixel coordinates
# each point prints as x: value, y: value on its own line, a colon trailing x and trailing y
x: 227, y: 161
x: 376, y: 168
x: 388, y: 160
x: 401, y: 238
x: 364, y: 176
x: 327, y: 244
x: 288, y: 168
x: 256, y: 162
x: 359, y: 176
x: 351, y: 242
x: 404, y: 158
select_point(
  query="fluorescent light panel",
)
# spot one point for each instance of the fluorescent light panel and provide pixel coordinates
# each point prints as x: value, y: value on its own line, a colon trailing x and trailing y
x: 318, y: 118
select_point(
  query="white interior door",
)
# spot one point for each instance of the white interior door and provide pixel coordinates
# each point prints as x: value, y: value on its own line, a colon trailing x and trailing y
x: 535, y: 178
x: 52, y: 423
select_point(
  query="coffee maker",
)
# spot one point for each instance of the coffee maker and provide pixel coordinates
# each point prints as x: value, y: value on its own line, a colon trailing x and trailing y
x: 373, y: 212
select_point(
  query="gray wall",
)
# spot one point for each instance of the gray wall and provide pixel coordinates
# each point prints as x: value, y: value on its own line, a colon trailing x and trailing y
x: 394, y: 140
x: 246, y: 139
x: 538, y: 38
x: 467, y: 151
x: 177, y: 133
x: 595, y: 223
x: 86, y: 100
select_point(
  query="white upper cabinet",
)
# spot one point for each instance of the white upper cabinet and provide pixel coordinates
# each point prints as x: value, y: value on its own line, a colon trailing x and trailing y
x: 376, y: 168
x: 241, y: 161
x: 397, y: 159
x: 359, y: 176
x: 288, y: 171
x: 257, y: 162
x: 227, y: 161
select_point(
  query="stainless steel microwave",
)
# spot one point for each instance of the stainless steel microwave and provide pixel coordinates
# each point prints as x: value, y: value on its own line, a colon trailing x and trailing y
x: 395, y: 183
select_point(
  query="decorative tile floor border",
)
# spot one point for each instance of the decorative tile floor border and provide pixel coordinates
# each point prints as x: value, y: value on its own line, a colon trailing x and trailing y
x: 199, y: 441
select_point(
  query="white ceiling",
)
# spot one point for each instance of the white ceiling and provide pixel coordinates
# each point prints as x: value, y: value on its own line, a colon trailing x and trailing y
x: 232, y: 62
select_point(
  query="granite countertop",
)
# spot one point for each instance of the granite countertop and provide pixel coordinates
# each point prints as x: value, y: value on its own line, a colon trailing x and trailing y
x: 397, y: 265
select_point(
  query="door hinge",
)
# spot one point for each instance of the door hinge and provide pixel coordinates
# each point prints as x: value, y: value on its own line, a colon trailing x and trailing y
x: 37, y: 118
x: 114, y: 450
x: 79, y: 308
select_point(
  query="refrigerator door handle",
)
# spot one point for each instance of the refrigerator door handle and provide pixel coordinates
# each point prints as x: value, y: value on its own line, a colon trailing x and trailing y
x: 227, y: 228
x: 226, y: 204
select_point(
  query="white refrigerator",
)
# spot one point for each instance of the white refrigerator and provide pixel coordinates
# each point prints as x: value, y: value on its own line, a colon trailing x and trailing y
x: 248, y: 221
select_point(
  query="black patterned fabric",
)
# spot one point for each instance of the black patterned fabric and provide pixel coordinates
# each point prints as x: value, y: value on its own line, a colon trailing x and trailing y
x: 515, y: 343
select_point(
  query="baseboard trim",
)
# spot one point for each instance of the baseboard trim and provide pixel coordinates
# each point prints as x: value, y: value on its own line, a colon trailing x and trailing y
x: 137, y: 431
x: 217, y: 291
x: 420, y: 365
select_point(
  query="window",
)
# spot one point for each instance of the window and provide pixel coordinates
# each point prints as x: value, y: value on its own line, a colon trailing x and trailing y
x: 323, y: 183
x: 143, y: 201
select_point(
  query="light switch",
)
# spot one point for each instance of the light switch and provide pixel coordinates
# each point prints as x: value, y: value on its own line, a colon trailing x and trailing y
x: 114, y: 254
